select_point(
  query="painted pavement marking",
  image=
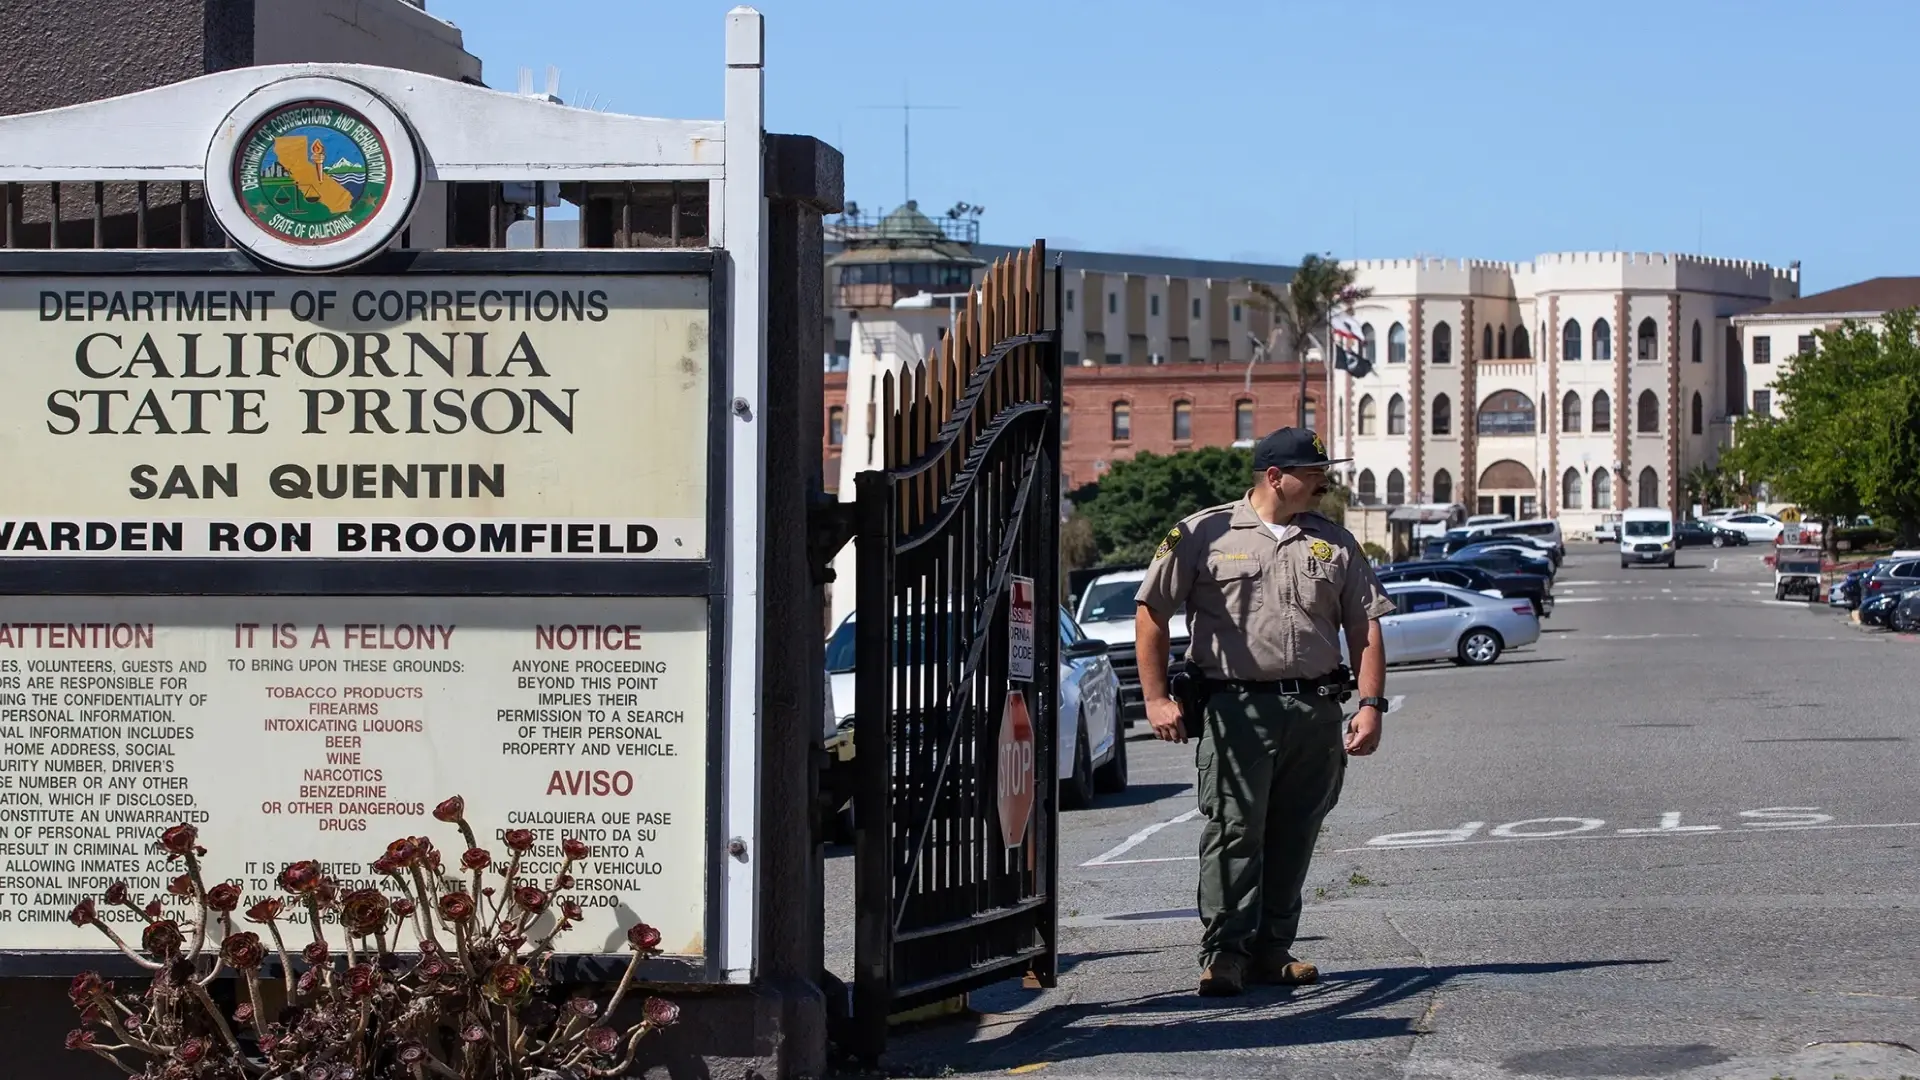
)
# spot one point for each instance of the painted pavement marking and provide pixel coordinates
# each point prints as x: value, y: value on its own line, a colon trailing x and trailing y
x: 1111, y: 857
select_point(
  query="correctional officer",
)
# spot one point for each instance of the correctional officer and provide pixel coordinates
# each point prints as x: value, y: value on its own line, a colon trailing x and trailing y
x: 1270, y: 587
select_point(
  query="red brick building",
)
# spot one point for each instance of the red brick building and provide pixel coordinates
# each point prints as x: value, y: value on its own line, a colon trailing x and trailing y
x: 1111, y: 412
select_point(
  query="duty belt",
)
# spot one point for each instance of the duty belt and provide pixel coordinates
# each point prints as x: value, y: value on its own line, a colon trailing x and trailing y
x: 1328, y: 685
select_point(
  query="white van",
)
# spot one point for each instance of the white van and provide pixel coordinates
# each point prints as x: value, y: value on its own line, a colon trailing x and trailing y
x: 1646, y: 536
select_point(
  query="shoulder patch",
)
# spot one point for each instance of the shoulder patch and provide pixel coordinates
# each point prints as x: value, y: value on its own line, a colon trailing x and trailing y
x: 1322, y: 551
x: 1166, y: 546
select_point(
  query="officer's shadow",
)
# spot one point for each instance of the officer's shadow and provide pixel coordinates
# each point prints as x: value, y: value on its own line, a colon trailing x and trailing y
x: 1345, y: 1006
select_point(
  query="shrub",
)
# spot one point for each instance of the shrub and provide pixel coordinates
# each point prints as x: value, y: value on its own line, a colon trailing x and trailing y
x: 473, y: 999
x: 1375, y: 552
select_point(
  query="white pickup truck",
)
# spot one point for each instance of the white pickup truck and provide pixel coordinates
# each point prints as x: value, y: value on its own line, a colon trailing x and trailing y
x: 1106, y: 612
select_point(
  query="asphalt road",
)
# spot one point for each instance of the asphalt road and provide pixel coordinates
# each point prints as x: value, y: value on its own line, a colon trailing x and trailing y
x: 1679, y: 837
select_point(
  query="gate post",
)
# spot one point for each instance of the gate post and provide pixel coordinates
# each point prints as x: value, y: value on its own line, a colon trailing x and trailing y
x: 803, y: 184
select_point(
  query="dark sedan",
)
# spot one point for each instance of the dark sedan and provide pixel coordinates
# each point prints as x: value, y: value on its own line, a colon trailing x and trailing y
x: 1530, y: 587
x: 1706, y: 533
x: 1504, y: 560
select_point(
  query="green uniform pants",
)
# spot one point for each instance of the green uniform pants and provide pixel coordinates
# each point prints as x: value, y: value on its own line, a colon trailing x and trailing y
x: 1271, y: 767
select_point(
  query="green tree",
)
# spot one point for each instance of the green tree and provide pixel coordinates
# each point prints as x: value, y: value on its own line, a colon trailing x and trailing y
x: 1139, y: 499
x: 1134, y: 505
x: 1317, y: 289
x: 1848, y: 435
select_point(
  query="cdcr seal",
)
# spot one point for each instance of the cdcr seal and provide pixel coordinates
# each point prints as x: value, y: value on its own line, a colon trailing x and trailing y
x: 313, y: 173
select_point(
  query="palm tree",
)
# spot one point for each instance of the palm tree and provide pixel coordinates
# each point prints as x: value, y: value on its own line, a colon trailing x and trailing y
x: 1318, y: 288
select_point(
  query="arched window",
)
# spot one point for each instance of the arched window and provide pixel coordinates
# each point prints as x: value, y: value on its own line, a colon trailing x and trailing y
x: 1647, y: 340
x: 837, y: 425
x: 1396, y: 344
x: 1570, y: 341
x: 1649, y: 487
x: 1122, y: 421
x: 1396, y: 488
x: 1442, y: 344
x: 1442, y: 415
x: 1366, y: 415
x: 1647, y: 413
x: 1507, y: 412
x: 1365, y: 485
x: 1396, y: 415
x: 1602, y: 489
x: 1602, y: 340
x: 1522, y: 348
x: 1243, y: 420
x: 1366, y: 342
x: 1570, y: 490
x: 1696, y: 341
x: 1570, y: 414
x: 1502, y: 339
x: 1699, y: 414
x: 1443, y: 486
x: 1182, y: 421
x: 1602, y: 415
x: 1486, y: 342
x: 1313, y: 416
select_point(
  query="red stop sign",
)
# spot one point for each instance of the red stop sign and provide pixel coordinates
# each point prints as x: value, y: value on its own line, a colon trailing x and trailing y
x: 1015, y: 769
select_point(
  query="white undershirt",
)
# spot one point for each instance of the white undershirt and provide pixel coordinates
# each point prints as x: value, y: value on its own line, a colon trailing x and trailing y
x: 1282, y: 532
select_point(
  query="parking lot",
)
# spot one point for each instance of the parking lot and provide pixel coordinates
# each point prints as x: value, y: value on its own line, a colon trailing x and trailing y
x: 1675, y: 837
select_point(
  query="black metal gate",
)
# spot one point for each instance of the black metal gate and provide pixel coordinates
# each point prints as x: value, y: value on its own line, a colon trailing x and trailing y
x: 967, y: 502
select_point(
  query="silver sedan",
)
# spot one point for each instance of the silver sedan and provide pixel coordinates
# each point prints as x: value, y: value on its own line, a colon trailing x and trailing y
x: 1442, y: 622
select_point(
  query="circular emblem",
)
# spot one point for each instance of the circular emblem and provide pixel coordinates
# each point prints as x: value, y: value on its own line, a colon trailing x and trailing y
x: 312, y: 174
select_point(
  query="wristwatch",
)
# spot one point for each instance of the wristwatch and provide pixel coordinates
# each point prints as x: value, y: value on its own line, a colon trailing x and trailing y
x: 1377, y: 702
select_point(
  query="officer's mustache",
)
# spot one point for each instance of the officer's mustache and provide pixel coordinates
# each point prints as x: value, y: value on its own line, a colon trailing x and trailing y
x: 1322, y: 488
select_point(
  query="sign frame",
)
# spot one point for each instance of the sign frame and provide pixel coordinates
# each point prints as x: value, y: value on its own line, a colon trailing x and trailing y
x: 709, y: 578
x: 1020, y: 643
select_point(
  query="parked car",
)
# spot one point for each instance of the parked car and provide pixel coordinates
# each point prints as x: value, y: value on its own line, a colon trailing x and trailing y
x: 1875, y: 610
x: 1543, y: 531
x: 1441, y: 622
x: 1505, y: 560
x: 1608, y: 530
x: 1757, y: 527
x: 1837, y: 594
x: 1457, y: 540
x: 1106, y: 612
x: 1889, y: 577
x: 1905, y: 616
x: 1707, y: 533
x: 1092, y: 747
x: 1530, y: 587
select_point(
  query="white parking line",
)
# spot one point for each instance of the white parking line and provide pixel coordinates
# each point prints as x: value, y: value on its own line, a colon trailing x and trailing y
x: 1107, y: 858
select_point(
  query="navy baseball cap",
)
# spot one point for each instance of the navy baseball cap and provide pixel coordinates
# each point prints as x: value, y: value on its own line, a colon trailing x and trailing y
x: 1292, y: 448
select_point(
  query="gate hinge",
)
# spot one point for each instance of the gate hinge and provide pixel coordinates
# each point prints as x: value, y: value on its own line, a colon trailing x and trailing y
x: 830, y: 525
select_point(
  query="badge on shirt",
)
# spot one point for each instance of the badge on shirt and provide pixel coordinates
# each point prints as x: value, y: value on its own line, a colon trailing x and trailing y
x: 1322, y: 550
x: 1166, y: 546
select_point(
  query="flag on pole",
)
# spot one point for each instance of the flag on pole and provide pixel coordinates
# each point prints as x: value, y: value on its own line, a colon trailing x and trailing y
x: 1348, y: 346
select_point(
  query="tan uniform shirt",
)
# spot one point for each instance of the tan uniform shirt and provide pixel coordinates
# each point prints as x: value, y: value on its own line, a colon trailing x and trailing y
x: 1259, y: 608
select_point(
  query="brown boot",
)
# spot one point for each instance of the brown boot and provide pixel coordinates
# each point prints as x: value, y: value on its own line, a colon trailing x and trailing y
x: 1281, y: 969
x: 1226, y: 976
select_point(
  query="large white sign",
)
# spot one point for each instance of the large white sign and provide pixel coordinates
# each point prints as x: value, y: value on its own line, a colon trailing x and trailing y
x: 294, y: 728
x: 472, y: 417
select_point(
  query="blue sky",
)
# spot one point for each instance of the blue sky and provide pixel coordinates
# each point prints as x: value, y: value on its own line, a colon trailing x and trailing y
x: 1757, y: 129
